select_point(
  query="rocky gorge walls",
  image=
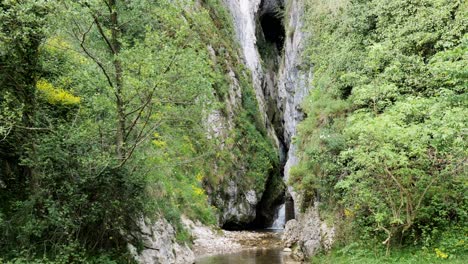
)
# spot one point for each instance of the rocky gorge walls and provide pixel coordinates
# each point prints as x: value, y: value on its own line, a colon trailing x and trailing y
x: 307, y: 233
x: 256, y: 135
x: 273, y: 59
x: 272, y: 37
x: 243, y: 205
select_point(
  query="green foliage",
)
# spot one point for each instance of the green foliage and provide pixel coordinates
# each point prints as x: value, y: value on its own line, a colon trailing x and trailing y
x: 248, y: 147
x: 357, y: 254
x: 72, y: 185
x: 383, y: 144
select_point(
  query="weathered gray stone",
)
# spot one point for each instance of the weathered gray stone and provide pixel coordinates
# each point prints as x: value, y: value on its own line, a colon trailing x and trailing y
x: 308, y: 234
x: 244, y: 14
x: 160, y: 245
x: 237, y: 205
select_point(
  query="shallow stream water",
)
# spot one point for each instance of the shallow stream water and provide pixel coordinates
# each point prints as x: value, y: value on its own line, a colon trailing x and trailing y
x: 254, y: 256
x: 260, y: 247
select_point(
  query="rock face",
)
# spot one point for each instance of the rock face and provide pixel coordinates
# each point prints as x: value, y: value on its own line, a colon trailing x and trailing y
x: 245, y: 16
x: 237, y: 204
x: 280, y: 92
x: 307, y: 234
x: 280, y: 88
x: 294, y: 83
x: 160, y: 245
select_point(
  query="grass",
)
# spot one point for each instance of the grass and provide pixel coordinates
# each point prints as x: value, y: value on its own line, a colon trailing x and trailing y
x: 403, y: 256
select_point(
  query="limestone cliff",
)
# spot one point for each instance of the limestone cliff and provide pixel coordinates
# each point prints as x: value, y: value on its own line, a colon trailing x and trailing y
x: 307, y: 234
x: 282, y: 79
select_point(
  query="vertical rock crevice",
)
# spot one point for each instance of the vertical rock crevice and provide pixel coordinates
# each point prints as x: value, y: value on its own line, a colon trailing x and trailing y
x: 273, y: 56
x: 259, y: 30
x: 307, y: 233
x: 270, y: 35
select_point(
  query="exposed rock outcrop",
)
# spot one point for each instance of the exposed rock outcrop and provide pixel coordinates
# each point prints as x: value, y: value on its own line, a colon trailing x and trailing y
x: 307, y: 234
x: 294, y: 83
x: 238, y: 206
x: 236, y: 203
x: 211, y: 242
x: 160, y: 245
x: 245, y: 15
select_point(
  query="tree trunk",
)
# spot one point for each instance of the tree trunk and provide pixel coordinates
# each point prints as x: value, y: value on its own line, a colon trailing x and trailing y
x: 121, y: 119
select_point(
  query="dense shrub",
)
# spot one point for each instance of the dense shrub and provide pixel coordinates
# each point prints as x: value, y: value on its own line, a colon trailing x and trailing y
x: 384, y: 143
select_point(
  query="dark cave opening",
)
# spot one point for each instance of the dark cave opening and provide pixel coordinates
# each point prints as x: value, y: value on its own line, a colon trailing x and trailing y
x: 273, y: 29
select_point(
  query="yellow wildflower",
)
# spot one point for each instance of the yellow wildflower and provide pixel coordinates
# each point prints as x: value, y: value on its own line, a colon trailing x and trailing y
x: 55, y: 95
x: 198, y: 191
x: 440, y: 254
x: 158, y: 142
x: 348, y: 212
x: 199, y: 177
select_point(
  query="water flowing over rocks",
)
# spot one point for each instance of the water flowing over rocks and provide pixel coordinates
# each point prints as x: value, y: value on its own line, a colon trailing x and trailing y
x: 280, y: 217
x: 208, y: 241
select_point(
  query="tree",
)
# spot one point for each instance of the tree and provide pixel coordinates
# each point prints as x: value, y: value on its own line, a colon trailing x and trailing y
x: 383, y: 143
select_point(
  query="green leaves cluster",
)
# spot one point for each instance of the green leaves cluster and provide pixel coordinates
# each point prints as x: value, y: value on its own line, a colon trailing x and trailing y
x: 384, y: 143
x: 103, y: 122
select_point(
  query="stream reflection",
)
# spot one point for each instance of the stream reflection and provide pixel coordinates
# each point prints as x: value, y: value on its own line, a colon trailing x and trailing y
x: 257, y: 256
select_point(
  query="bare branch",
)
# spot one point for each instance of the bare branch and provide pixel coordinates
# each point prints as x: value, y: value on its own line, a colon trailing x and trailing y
x: 83, y: 47
x: 101, y: 32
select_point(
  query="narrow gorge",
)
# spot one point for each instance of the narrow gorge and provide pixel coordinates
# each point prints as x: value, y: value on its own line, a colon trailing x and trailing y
x: 271, y: 40
x: 233, y: 131
x: 281, y: 81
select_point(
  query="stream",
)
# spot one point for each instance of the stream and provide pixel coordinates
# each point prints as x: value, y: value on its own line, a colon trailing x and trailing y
x: 259, y: 247
x: 254, y: 256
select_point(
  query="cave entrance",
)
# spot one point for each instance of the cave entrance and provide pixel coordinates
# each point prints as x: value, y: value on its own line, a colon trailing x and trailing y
x: 273, y: 211
x: 273, y: 29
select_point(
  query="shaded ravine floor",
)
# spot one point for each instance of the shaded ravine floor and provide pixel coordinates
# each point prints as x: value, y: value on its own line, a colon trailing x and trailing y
x: 259, y: 247
x: 253, y: 256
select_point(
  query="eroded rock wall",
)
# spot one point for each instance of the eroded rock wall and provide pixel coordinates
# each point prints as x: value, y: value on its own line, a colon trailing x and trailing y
x: 294, y: 83
x: 307, y: 234
x: 237, y: 204
x: 281, y: 81
x: 245, y: 19
x: 160, y: 245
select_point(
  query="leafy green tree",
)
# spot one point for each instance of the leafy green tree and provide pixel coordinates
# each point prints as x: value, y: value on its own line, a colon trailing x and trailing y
x: 103, y: 123
x: 384, y: 144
